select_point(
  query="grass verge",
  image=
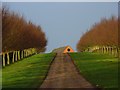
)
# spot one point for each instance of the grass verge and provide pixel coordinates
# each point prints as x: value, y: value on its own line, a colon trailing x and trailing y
x: 27, y: 73
x: 99, y: 69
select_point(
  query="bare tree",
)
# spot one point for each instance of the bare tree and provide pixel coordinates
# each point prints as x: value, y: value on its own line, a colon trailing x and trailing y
x: 104, y: 33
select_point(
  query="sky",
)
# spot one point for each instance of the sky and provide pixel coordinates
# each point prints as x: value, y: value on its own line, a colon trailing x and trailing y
x: 64, y: 22
x: 60, y: 0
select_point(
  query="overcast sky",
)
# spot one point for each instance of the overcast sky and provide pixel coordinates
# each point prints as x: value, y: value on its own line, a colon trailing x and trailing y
x: 64, y: 23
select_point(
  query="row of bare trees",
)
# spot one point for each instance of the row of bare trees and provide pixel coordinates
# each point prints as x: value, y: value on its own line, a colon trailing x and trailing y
x: 104, y: 33
x: 20, y: 35
x: 0, y: 30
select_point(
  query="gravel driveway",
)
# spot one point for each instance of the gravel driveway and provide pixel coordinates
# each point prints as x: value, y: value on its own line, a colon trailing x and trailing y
x: 63, y: 74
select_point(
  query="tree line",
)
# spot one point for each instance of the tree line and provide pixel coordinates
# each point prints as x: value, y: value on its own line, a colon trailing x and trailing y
x: 20, y: 38
x: 18, y: 34
x: 0, y: 30
x: 103, y: 33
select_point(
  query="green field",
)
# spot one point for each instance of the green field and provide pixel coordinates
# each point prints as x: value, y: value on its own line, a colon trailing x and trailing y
x: 99, y: 69
x: 27, y: 73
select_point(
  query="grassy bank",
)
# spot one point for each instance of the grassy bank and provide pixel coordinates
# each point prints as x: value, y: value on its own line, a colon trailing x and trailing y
x: 27, y: 73
x: 99, y: 69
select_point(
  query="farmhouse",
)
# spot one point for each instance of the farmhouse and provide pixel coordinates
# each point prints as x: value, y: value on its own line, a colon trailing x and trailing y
x: 65, y: 49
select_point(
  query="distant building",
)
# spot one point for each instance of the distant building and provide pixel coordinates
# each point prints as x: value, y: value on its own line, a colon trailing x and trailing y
x: 66, y: 49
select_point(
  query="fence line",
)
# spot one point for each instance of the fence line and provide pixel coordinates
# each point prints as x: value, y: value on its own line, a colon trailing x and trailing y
x: 14, y: 56
x: 105, y: 50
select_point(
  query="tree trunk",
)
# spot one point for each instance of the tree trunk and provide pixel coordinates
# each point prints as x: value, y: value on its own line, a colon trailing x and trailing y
x: 107, y: 50
x: 18, y: 55
x: 111, y: 50
x: 25, y: 53
x: 21, y: 54
x: 3, y: 59
x: 28, y: 52
x: 13, y: 57
x: 8, y: 59
x: 32, y: 51
x: 117, y: 52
